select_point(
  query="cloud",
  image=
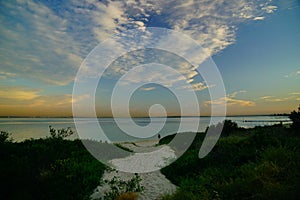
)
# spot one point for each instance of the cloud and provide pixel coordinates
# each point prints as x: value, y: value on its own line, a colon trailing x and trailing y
x: 270, y: 8
x: 36, y: 44
x: 46, y: 105
x: 5, y: 75
x: 212, y: 23
x: 231, y: 100
x: 296, y: 73
x: 276, y: 99
x: 258, y: 18
x: 197, y: 86
x: 295, y: 93
x: 150, y: 75
x: 24, y: 96
x: 234, y: 94
x: 25, y: 101
x: 176, y: 77
x: 18, y: 93
x: 108, y: 18
x: 47, y: 41
x: 288, y: 5
x: 239, y: 102
x: 80, y: 98
x: 266, y: 97
x: 147, y: 88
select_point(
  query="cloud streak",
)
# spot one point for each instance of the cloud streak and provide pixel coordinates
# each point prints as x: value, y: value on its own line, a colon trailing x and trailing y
x: 283, y: 99
x: 147, y: 88
x: 6, y: 75
x: 47, y: 42
x: 18, y: 93
x: 232, y: 101
x: 296, y: 73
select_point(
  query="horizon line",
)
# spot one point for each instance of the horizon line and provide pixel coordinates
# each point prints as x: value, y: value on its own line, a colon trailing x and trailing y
x: 172, y: 116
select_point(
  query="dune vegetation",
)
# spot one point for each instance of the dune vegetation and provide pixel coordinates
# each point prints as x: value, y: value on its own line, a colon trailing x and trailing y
x: 51, y: 168
x: 258, y: 163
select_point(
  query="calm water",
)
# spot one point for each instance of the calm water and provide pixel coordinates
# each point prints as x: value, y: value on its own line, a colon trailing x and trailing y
x: 25, y: 128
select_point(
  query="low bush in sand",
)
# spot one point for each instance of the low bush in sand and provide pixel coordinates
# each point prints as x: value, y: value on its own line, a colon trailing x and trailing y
x: 121, y: 188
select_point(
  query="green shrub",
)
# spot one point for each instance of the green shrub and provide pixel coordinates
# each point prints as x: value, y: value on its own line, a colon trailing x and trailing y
x: 295, y: 117
x: 119, y: 187
x: 259, y: 163
x: 60, y: 133
x: 122, y: 147
x: 5, y: 137
x: 48, y: 169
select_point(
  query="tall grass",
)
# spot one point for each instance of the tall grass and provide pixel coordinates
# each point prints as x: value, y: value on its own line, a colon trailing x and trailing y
x: 259, y: 163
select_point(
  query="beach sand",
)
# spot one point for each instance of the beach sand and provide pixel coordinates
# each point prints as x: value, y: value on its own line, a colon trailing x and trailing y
x: 147, y: 158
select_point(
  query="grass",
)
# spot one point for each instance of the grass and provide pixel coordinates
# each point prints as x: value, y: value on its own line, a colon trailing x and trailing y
x: 259, y: 163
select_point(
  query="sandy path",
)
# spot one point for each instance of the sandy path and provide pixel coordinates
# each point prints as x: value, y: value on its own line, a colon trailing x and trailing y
x: 148, y: 157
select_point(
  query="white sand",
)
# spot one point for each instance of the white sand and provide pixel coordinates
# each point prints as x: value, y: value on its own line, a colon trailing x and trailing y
x: 147, y: 158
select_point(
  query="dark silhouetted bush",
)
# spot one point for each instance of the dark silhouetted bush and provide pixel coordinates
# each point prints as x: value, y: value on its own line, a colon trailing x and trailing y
x: 47, y: 169
x: 5, y: 137
x: 295, y: 117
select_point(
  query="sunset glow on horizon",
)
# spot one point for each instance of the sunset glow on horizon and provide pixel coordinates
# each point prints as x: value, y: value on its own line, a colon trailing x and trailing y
x: 254, y: 44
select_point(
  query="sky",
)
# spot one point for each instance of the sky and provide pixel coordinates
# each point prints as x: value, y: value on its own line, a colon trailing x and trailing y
x: 255, y: 45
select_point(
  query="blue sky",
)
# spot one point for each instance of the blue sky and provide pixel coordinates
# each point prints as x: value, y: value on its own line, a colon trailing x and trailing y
x: 254, y: 43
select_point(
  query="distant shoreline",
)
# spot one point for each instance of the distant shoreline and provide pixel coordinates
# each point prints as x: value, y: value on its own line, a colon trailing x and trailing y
x: 70, y: 117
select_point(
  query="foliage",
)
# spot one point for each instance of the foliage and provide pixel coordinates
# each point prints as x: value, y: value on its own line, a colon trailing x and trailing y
x: 47, y: 169
x: 229, y: 127
x: 60, y: 133
x: 258, y: 163
x: 295, y: 117
x: 120, y: 187
x: 122, y: 147
x: 5, y: 137
x: 166, y: 140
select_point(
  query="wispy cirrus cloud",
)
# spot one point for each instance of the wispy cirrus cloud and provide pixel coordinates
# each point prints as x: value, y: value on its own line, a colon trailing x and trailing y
x: 258, y: 18
x: 5, y: 75
x: 18, y: 93
x: 198, y: 86
x: 147, y: 88
x: 47, y: 42
x: 32, y: 96
x: 266, y: 97
x: 19, y: 100
x: 296, y: 73
x: 295, y: 93
x: 231, y: 100
x: 274, y: 99
x: 269, y: 8
x: 35, y: 43
x: 290, y: 97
